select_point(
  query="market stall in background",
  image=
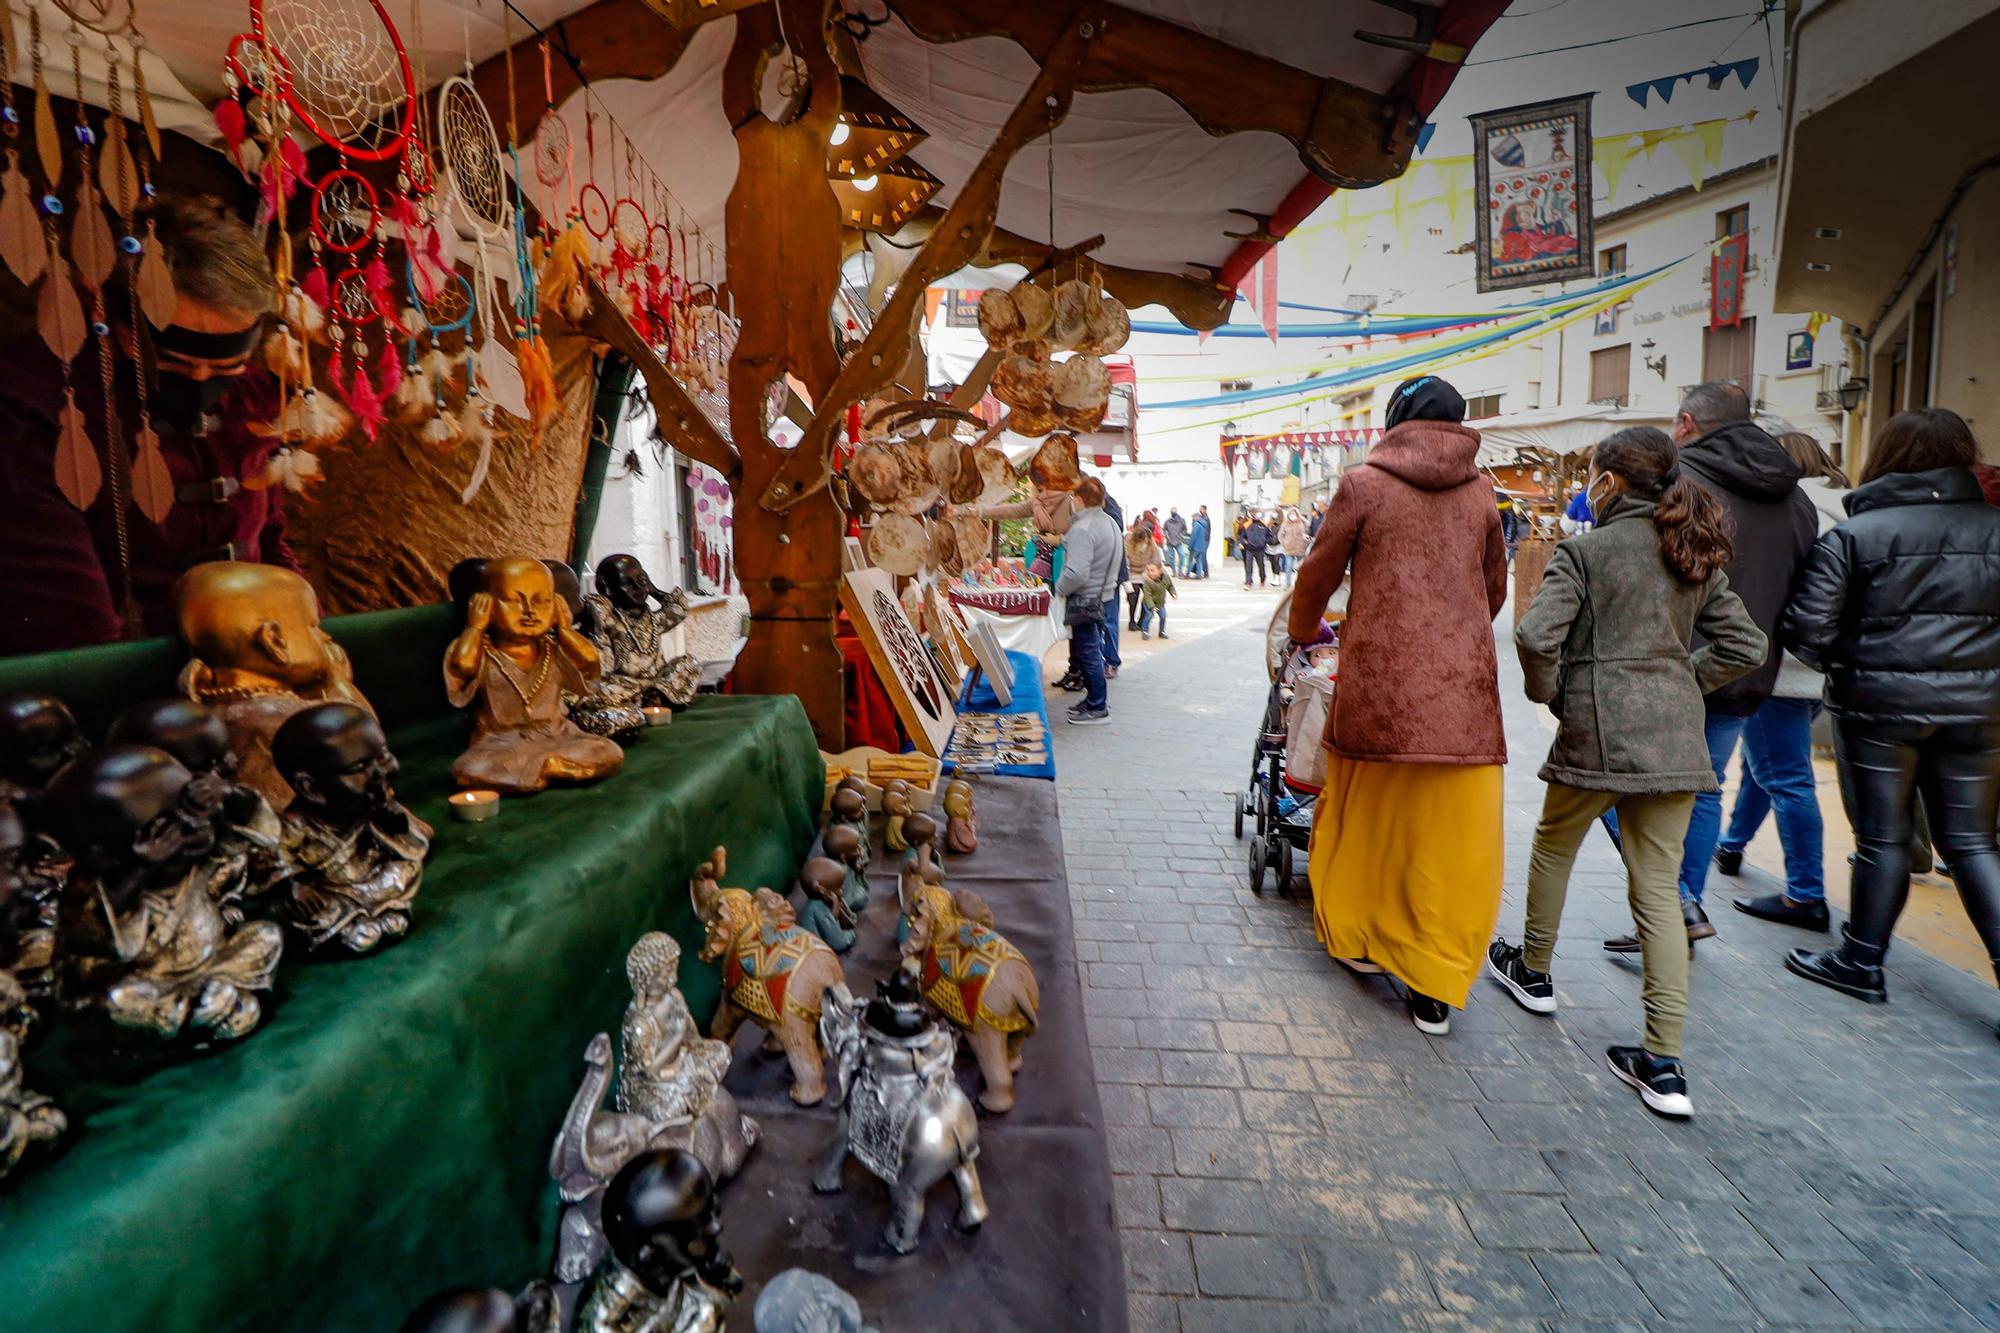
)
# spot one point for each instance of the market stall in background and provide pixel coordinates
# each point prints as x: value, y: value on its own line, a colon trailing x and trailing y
x: 502, y: 605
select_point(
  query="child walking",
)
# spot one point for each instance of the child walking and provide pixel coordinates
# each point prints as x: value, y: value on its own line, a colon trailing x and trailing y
x: 1159, y: 586
x: 1605, y: 644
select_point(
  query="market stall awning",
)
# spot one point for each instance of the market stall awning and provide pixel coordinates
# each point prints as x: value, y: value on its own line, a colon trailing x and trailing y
x: 1571, y: 430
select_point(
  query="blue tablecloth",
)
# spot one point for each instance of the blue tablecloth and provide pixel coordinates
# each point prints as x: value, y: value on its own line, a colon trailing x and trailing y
x: 1027, y: 699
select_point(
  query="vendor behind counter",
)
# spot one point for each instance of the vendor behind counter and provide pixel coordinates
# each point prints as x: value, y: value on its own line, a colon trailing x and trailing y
x: 67, y: 582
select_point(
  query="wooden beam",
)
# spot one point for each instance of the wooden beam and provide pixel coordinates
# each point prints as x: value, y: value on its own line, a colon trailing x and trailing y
x: 958, y: 237
x: 1345, y: 134
x: 681, y: 422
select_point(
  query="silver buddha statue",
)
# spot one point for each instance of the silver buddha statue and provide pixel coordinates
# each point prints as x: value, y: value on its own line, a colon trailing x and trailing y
x: 667, y: 1271
x: 26, y: 1117
x: 799, y: 1301
x: 902, y: 1113
x: 628, y: 619
x: 669, y: 1095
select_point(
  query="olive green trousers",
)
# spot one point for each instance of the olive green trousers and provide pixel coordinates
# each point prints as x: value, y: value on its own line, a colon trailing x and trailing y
x: 1651, y: 829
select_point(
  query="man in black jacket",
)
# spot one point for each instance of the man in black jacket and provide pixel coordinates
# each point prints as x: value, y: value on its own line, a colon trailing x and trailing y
x: 1773, y: 527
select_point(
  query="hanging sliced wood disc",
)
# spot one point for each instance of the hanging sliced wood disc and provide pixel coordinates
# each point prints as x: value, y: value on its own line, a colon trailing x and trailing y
x: 48, y: 136
x: 22, y: 244
x: 916, y: 489
x: 1082, y: 419
x: 873, y: 471
x: 1054, y: 465
x: 152, y: 484
x: 996, y: 475
x: 1037, y: 307
x: 78, y: 474
x: 1033, y: 423
x: 944, y: 456
x: 898, y: 544
x: 117, y: 173
x: 944, y: 548
x: 1072, y: 314
x: 91, y: 246
x: 1110, y: 326
x: 1081, y: 384
x: 975, y: 539
x: 999, y: 318
x: 1023, y: 378
x: 967, y: 485
x: 58, y: 314
x: 156, y: 284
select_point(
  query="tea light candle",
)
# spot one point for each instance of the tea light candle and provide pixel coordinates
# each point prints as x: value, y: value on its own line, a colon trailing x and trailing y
x: 657, y: 716
x: 474, y: 807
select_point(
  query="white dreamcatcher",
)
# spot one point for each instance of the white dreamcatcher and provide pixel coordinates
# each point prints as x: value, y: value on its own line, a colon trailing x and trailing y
x: 475, y: 176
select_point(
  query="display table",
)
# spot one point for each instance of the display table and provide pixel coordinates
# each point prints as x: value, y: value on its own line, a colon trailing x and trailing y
x: 1048, y: 1258
x: 1024, y: 620
x: 386, y: 1132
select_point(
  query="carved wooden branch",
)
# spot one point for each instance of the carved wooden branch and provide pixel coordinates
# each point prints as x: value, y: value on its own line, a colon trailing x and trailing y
x: 682, y: 424
x: 959, y: 236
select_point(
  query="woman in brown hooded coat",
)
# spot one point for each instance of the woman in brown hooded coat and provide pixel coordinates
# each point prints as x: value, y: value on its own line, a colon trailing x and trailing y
x: 1406, y: 860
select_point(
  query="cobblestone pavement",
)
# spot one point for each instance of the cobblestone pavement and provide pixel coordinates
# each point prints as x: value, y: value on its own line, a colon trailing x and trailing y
x: 1292, y: 1154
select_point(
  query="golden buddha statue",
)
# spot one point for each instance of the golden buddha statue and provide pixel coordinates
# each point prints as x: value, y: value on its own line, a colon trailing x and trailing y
x: 519, y: 654
x: 258, y: 655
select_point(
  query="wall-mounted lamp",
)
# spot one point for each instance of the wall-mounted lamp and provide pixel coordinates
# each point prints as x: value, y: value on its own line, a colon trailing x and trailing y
x: 1657, y: 366
x: 1852, y: 392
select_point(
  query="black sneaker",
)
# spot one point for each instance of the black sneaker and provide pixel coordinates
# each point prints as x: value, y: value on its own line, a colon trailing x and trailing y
x: 1785, y: 911
x: 1832, y: 969
x: 1532, y: 990
x: 1070, y: 684
x: 1163, y: 634
x: 1088, y: 717
x: 1660, y: 1081
x: 1728, y: 862
x: 1630, y: 944
x: 1430, y: 1016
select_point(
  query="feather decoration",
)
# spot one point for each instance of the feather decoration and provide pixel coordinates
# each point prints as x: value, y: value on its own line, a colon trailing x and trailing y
x: 441, y: 432
x: 388, y: 372
x: 58, y: 313
x: 353, y: 386
x: 229, y: 122
x: 91, y: 247
x: 284, y: 355
x: 375, y: 278
x: 315, y: 287
x: 152, y: 484
x: 78, y: 473
x: 414, y: 394
x: 22, y: 244
x: 155, y: 280
x: 563, y: 265
x: 312, y: 418
x: 538, y: 380
x: 295, y: 469
x: 474, y: 428
x: 48, y: 137
x: 301, y: 313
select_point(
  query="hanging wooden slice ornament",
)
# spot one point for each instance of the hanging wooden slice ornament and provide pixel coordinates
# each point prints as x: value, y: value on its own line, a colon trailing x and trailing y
x: 22, y: 243
x: 1033, y: 423
x: 999, y: 318
x: 1054, y: 466
x: 1037, y: 307
x: 1023, y: 378
x: 152, y: 483
x: 1071, y: 319
x: 58, y: 314
x: 974, y: 538
x: 944, y: 548
x: 1082, y: 386
x: 873, y: 472
x: 342, y: 70
x: 996, y: 475
x: 78, y: 473
x: 898, y: 544
x: 1109, y: 326
x: 345, y: 211
x: 966, y: 485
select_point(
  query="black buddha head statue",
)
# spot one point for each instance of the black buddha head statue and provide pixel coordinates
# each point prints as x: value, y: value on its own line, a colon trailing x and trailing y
x: 37, y: 736
x: 661, y: 1220
x: 843, y: 843
x: 338, y: 762
x: 625, y: 582
x: 486, y: 1310
x: 125, y: 813
x: 898, y: 1009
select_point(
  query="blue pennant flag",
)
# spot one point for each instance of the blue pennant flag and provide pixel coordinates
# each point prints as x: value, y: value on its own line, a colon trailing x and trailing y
x: 1717, y: 75
x: 1424, y: 135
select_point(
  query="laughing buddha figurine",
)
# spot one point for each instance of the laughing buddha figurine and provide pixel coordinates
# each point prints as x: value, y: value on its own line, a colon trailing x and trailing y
x: 519, y: 654
x: 258, y: 656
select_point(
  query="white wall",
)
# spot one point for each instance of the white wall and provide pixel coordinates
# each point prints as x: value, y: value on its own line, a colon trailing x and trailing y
x: 640, y: 514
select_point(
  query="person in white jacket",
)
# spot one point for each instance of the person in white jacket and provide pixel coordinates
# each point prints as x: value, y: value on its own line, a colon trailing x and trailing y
x: 1777, y: 746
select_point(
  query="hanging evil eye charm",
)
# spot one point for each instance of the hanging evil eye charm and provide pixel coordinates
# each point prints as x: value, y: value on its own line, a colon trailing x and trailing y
x: 130, y: 244
x: 84, y: 136
x: 147, y: 189
x: 52, y: 204
x: 11, y: 116
x: 99, y: 328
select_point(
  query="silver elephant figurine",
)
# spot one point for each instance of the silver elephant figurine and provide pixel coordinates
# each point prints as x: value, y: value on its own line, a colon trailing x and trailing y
x: 902, y: 1113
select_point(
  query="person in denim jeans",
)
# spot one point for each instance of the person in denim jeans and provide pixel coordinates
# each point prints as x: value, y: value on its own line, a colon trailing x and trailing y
x: 1091, y: 570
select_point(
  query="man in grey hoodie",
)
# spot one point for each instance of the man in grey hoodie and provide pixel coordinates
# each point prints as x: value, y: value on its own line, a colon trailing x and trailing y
x: 1094, y: 548
x: 1175, y: 530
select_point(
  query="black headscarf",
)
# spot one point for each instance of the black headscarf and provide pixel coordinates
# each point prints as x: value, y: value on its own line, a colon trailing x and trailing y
x: 1426, y: 398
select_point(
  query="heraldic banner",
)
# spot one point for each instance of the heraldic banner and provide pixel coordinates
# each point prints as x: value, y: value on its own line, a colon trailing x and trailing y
x: 1532, y: 168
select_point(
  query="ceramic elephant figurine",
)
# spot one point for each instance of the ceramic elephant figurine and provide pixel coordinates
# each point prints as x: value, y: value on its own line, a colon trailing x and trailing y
x: 978, y: 981
x: 774, y: 971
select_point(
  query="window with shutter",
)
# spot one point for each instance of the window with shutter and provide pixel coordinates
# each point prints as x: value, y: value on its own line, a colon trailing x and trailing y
x: 1611, y: 375
x: 1730, y: 354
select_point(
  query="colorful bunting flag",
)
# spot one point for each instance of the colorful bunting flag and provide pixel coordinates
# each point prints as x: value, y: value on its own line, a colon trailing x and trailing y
x: 1717, y: 75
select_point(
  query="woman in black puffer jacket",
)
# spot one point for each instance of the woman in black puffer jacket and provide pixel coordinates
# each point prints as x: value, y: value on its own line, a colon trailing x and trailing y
x: 1900, y: 607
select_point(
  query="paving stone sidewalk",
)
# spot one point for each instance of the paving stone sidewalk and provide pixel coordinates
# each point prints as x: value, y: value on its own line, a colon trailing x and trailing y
x: 1292, y: 1154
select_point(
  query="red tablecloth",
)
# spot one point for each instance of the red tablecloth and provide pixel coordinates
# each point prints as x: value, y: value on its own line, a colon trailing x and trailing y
x: 1003, y: 601
x: 871, y: 714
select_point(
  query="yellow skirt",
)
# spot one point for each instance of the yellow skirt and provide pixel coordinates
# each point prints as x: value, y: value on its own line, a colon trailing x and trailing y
x: 1406, y: 868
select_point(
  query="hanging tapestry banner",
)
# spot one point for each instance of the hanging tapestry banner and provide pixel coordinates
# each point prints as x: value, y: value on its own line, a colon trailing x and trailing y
x: 1725, y: 282
x: 1532, y: 170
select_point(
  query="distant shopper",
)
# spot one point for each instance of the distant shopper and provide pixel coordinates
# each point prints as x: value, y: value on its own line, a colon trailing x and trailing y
x: 1777, y: 746
x: 1176, y: 543
x: 1609, y: 644
x: 1773, y: 526
x: 1293, y: 539
x: 1407, y: 853
x: 1088, y: 587
x: 1318, y: 517
x: 1900, y: 607
x: 1254, y: 540
x: 1198, y: 534
x: 1140, y: 551
x: 1153, y: 596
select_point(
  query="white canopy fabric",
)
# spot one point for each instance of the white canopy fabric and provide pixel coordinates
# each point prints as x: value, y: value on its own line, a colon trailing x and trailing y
x: 1570, y: 430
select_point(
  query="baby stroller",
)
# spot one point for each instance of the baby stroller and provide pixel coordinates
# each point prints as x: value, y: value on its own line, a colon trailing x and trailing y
x: 1278, y: 805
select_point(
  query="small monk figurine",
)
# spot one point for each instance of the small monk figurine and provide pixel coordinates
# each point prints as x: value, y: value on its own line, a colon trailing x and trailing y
x: 257, y: 655
x: 142, y: 937
x: 848, y: 808
x: 920, y: 858
x: 823, y: 881
x: 961, y: 823
x: 356, y: 855
x: 520, y: 651
x: 843, y: 844
x: 628, y: 619
x: 895, y: 809
x: 31, y: 883
x: 37, y: 736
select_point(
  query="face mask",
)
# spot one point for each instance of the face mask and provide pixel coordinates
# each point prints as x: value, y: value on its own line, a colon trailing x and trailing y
x: 179, y: 403
x: 1594, y: 505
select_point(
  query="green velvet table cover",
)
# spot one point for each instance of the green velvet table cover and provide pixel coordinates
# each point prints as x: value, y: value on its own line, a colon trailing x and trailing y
x: 385, y: 1133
